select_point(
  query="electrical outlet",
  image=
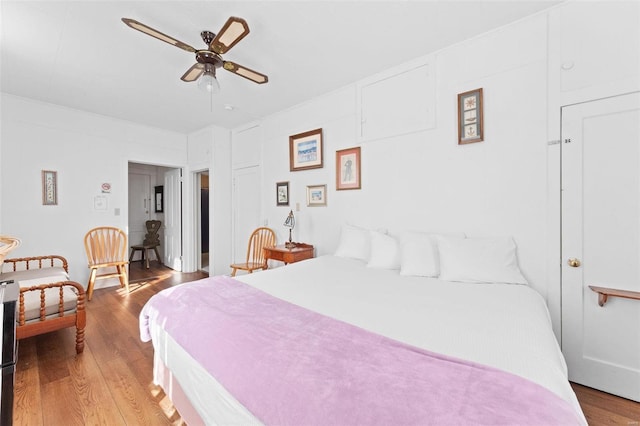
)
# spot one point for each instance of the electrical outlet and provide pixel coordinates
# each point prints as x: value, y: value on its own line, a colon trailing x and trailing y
x: 297, y: 207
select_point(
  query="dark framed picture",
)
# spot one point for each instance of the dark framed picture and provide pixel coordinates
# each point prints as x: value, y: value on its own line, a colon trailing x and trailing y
x: 348, y: 169
x: 49, y: 188
x: 282, y: 193
x: 470, y: 117
x: 316, y: 195
x: 159, y: 199
x: 305, y: 150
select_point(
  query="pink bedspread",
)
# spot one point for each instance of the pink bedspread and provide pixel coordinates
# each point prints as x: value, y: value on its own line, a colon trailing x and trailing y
x: 291, y: 366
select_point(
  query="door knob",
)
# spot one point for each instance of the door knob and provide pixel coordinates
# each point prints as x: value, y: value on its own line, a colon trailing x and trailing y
x: 573, y: 262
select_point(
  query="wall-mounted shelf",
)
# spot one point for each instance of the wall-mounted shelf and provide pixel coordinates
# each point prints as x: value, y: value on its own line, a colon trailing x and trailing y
x: 604, y: 293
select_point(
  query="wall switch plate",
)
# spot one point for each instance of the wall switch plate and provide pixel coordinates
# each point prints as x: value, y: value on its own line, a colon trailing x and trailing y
x: 116, y: 211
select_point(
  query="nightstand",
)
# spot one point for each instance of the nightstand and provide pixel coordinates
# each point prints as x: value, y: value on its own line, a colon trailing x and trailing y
x: 300, y: 252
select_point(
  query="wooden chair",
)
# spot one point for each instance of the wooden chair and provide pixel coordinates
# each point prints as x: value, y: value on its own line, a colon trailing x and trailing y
x: 106, y: 247
x: 151, y: 241
x: 260, y: 238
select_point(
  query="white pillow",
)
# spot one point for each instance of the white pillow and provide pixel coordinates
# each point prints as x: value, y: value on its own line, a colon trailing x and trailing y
x: 385, y: 253
x: 479, y: 260
x: 419, y: 253
x: 354, y: 243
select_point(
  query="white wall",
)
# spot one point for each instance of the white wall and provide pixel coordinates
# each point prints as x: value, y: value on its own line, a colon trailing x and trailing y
x: 506, y: 185
x: 425, y: 180
x: 209, y: 149
x: 86, y: 150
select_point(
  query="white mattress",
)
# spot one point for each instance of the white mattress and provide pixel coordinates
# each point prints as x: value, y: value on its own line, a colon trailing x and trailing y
x: 501, y: 325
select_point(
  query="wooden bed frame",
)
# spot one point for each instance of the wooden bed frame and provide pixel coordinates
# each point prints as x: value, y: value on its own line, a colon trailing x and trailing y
x: 20, y: 267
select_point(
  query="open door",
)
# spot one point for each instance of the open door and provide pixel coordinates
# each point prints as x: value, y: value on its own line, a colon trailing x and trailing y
x: 173, y: 219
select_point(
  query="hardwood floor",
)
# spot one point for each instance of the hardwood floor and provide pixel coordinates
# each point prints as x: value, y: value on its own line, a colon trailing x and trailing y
x: 605, y: 409
x: 110, y: 383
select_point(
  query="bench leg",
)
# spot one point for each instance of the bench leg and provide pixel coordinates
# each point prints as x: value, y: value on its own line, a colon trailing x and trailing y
x: 79, y: 340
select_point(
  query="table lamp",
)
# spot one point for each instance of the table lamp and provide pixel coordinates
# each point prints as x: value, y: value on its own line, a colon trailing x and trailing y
x: 290, y: 223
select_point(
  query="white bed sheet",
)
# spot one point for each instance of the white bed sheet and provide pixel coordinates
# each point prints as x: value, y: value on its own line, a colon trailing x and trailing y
x: 505, y: 326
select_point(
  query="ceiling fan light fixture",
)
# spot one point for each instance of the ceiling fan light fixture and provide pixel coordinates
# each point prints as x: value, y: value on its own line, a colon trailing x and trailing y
x: 208, y: 81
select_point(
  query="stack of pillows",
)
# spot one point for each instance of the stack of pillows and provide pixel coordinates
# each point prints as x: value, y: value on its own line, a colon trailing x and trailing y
x: 450, y: 257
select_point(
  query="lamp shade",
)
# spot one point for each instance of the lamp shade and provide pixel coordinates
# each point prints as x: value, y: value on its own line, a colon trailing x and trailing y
x: 290, y: 222
x: 208, y: 82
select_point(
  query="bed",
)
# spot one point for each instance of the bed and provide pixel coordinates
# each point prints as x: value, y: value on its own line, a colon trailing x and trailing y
x: 499, y: 334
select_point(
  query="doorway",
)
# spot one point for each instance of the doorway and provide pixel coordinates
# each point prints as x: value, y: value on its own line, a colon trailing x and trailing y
x: 147, y: 200
x: 202, y: 222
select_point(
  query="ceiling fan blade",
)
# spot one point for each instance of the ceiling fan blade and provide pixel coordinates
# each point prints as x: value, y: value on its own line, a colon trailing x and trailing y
x: 234, y: 30
x: 157, y: 34
x: 193, y: 73
x: 245, y: 72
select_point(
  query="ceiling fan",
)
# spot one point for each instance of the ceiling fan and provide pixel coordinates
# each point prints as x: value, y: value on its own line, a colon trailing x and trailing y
x: 209, y: 59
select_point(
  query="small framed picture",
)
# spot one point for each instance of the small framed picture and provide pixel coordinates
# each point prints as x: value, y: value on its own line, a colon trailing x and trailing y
x: 305, y: 150
x: 282, y: 193
x: 348, y: 169
x: 316, y: 195
x: 49, y: 188
x: 470, y: 117
x: 159, y: 200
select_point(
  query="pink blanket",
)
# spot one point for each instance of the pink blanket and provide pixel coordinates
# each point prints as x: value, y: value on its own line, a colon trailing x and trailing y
x: 291, y: 366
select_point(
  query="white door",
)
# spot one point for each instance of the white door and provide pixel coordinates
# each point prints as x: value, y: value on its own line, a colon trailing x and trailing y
x: 246, y: 208
x: 601, y: 231
x: 139, y: 207
x: 173, y: 219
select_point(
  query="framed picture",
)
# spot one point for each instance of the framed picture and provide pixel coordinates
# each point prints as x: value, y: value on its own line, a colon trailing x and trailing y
x: 470, y: 117
x: 348, y: 169
x: 49, y: 188
x: 159, y: 199
x: 282, y: 193
x: 316, y: 195
x: 305, y: 150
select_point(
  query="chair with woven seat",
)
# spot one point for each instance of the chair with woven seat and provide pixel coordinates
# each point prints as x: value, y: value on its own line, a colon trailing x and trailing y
x: 260, y: 238
x: 151, y: 242
x: 106, y: 247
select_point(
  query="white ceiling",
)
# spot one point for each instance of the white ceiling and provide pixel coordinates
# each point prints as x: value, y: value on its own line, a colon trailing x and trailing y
x: 79, y: 54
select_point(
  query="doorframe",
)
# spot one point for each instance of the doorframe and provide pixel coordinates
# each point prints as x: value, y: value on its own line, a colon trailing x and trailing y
x: 197, y: 219
x: 181, y: 200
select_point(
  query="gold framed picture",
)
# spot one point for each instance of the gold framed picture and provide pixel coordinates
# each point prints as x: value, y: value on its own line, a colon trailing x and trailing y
x: 49, y: 188
x: 316, y: 195
x: 348, y: 169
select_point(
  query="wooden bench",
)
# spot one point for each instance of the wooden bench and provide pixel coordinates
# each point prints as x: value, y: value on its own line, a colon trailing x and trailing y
x: 48, y: 300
